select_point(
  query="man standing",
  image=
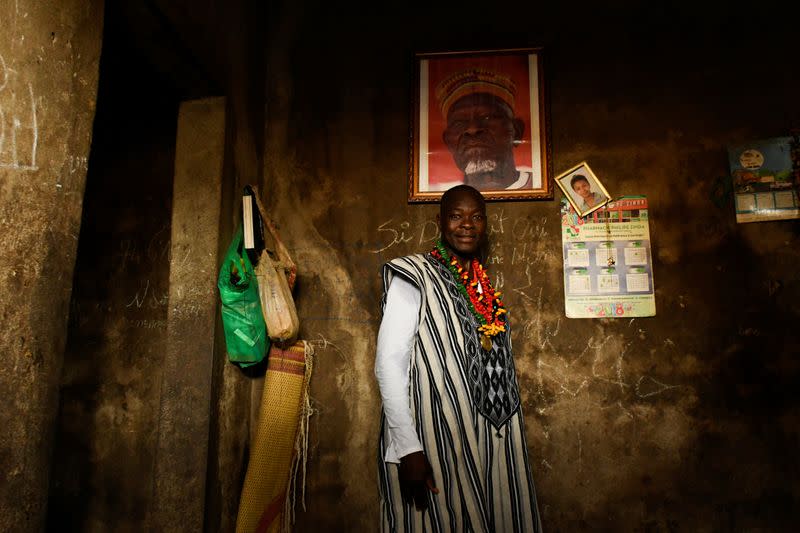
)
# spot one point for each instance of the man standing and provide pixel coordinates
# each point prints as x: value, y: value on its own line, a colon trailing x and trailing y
x: 481, y: 130
x: 451, y: 405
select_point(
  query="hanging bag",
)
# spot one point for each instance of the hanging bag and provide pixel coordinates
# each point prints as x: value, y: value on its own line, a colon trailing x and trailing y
x: 276, y: 273
x: 242, y: 318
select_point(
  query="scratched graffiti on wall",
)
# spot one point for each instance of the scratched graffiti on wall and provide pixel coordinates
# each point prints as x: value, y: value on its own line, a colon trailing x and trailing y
x: 518, y: 257
x: 19, y: 127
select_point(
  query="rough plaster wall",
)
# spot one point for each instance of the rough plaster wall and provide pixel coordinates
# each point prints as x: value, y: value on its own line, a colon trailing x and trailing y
x: 110, y: 384
x: 107, y: 429
x: 112, y: 370
x: 108, y: 413
x: 685, y: 421
x: 49, y: 54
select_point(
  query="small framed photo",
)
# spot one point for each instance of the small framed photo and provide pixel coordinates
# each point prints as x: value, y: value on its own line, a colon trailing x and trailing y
x: 479, y: 118
x: 583, y: 190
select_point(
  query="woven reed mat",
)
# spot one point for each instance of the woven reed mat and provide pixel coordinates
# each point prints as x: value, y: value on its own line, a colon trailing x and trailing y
x: 279, y: 449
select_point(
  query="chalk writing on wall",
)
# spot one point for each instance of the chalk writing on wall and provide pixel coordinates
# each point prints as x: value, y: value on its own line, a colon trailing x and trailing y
x: 518, y: 258
x: 149, y: 298
x: 19, y: 128
x: 131, y: 252
x: 393, y: 233
x: 76, y: 163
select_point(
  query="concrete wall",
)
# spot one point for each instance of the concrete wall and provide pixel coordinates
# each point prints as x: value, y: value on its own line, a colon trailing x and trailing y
x: 118, y: 386
x: 49, y: 54
x: 111, y: 381
x: 685, y: 421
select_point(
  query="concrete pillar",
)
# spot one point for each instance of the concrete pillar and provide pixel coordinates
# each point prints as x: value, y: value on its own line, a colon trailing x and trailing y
x: 49, y: 57
x: 183, y: 429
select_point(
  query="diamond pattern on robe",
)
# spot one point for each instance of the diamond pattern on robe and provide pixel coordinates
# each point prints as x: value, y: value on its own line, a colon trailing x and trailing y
x: 499, y: 392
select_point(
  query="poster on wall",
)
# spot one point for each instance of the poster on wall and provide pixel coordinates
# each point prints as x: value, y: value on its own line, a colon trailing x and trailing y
x: 764, y: 181
x: 480, y: 119
x: 608, y: 268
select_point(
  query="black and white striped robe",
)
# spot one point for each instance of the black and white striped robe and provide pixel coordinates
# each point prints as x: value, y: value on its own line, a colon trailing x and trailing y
x: 476, y: 446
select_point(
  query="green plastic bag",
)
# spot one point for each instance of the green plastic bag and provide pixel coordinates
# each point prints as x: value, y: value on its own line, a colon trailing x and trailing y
x: 245, y: 331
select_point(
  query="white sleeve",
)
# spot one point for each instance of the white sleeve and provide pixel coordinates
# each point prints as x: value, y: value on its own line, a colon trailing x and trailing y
x: 392, y: 362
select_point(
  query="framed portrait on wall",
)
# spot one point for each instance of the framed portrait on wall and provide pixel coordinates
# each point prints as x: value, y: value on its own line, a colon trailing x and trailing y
x: 480, y: 118
x: 582, y: 189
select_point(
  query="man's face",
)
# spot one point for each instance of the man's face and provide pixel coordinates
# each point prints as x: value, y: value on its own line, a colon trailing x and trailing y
x: 481, y: 130
x: 463, y: 224
x: 583, y: 188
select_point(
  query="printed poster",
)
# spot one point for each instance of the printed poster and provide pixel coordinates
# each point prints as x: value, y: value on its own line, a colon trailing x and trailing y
x: 764, y: 181
x: 608, y: 267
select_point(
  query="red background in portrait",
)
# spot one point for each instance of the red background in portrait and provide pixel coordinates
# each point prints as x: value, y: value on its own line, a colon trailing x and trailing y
x: 440, y: 163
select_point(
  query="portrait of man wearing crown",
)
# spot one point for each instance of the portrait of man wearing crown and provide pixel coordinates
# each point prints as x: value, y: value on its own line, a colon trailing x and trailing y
x: 480, y: 122
x: 482, y: 131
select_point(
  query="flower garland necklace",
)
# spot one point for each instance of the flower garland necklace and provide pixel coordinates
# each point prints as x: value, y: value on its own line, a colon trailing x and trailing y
x: 485, y: 305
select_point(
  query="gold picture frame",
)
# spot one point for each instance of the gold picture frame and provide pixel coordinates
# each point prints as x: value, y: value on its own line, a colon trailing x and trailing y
x: 577, y: 183
x: 470, y: 111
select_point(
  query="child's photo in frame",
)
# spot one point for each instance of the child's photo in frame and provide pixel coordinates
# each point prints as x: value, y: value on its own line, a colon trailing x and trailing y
x: 583, y: 190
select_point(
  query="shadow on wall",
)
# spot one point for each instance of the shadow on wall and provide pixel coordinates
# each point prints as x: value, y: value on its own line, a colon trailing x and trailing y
x: 105, y: 439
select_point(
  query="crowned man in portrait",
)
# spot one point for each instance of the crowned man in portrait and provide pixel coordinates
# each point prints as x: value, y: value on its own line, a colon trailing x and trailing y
x: 482, y: 130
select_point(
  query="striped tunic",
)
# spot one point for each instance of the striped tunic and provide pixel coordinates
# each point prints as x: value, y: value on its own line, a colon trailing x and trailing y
x: 465, y: 405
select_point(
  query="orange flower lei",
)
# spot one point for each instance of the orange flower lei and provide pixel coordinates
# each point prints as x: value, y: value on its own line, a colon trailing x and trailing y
x: 485, y: 305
